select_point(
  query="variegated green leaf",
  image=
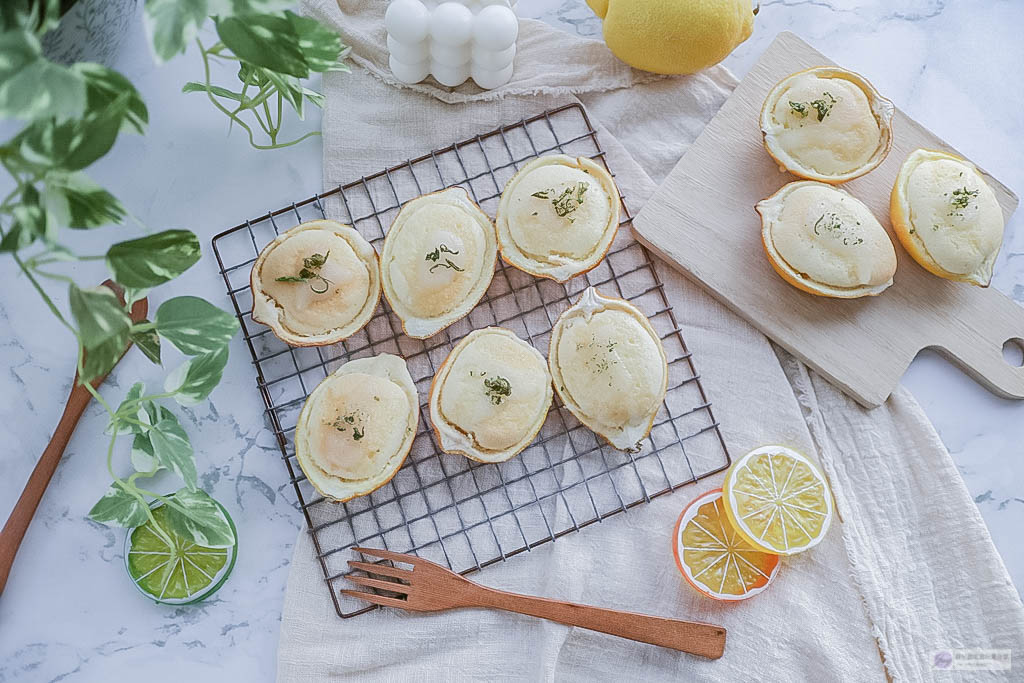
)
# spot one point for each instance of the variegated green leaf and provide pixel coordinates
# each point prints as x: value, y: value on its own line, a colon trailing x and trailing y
x: 78, y: 202
x: 193, y: 380
x: 195, y: 325
x: 266, y: 40
x: 148, y: 342
x: 123, y: 410
x: 197, y: 516
x: 32, y: 86
x: 172, y: 449
x: 173, y: 24
x: 102, y: 326
x: 119, y: 507
x: 143, y: 455
x: 154, y: 259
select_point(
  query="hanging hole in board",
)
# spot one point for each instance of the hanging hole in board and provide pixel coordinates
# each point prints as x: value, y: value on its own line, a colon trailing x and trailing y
x: 1013, y: 351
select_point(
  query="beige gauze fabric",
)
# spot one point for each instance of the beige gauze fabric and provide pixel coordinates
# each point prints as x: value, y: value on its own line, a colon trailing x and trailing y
x: 908, y: 568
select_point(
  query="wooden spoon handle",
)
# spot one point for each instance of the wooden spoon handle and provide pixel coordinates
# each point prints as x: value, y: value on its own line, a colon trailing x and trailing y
x: 694, y: 637
x: 16, y: 526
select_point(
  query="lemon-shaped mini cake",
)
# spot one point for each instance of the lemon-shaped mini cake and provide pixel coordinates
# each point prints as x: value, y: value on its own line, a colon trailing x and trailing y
x: 357, y: 426
x: 826, y: 124
x: 824, y: 241
x: 490, y: 397
x: 437, y: 261
x: 316, y: 284
x: 947, y: 217
x: 557, y: 216
x: 609, y: 367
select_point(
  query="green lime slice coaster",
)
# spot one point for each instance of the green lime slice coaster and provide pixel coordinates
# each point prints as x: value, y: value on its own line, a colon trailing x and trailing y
x: 171, y: 569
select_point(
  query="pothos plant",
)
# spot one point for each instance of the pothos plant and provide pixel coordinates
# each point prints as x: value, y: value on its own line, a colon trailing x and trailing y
x: 71, y: 117
x: 273, y: 51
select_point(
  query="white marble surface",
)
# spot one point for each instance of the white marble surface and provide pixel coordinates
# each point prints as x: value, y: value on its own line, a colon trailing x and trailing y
x: 69, y: 612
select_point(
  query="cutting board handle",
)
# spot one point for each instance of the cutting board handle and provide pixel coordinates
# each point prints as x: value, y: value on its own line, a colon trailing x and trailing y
x: 984, y: 362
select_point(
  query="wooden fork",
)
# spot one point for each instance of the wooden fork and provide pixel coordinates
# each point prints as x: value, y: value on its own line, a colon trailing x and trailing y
x: 429, y: 587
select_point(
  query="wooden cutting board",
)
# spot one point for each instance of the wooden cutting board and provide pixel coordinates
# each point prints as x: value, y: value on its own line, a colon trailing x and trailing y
x: 702, y: 220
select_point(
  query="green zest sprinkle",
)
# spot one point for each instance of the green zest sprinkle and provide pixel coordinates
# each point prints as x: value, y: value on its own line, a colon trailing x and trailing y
x: 830, y: 222
x: 310, y: 273
x: 827, y: 221
x: 435, y: 256
x: 566, y: 202
x: 497, y: 389
x: 961, y: 199
x: 822, y: 107
x: 343, y: 422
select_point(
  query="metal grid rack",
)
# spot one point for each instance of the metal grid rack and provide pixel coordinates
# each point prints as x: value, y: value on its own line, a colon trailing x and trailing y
x: 459, y: 513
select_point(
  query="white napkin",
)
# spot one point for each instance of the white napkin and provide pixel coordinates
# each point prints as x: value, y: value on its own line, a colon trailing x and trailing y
x: 909, y: 569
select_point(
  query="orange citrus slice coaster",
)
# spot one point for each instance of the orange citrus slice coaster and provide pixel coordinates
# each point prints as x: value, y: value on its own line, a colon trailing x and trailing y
x: 716, y: 560
x: 778, y: 500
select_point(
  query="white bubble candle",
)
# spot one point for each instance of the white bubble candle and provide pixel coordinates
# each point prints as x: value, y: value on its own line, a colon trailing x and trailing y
x: 452, y: 41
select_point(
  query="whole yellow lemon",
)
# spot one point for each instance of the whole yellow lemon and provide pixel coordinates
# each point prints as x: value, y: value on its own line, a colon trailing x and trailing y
x: 674, y: 36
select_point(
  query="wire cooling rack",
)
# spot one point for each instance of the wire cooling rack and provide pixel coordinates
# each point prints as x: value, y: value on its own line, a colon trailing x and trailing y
x: 459, y: 513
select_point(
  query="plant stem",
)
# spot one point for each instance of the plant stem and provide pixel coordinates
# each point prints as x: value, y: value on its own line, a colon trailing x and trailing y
x: 43, y: 260
x: 272, y: 132
x: 46, y: 298
x: 53, y: 276
x: 280, y: 100
x: 264, y: 126
x: 167, y: 500
x: 155, y: 397
x: 296, y: 141
x: 265, y: 92
x: 89, y: 387
x: 131, y: 489
x: 218, y: 105
x: 145, y: 475
x: 13, y: 193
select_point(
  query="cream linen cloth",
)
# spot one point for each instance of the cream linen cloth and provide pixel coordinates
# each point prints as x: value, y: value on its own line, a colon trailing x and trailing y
x: 908, y: 570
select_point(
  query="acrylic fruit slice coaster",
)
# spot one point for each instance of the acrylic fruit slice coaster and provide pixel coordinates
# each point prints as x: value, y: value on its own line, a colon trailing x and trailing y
x: 171, y: 569
x: 778, y: 500
x: 713, y: 558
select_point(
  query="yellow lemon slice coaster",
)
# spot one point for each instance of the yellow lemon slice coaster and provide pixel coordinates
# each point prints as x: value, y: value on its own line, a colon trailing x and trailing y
x: 713, y: 558
x: 778, y: 500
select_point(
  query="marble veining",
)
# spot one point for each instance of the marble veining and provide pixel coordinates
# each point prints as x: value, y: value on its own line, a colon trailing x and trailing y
x: 69, y: 613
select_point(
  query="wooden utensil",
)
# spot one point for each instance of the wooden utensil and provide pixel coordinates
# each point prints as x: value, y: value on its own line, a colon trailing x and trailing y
x: 17, y: 524
x: 702, y: 221
x: 429, y: 587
